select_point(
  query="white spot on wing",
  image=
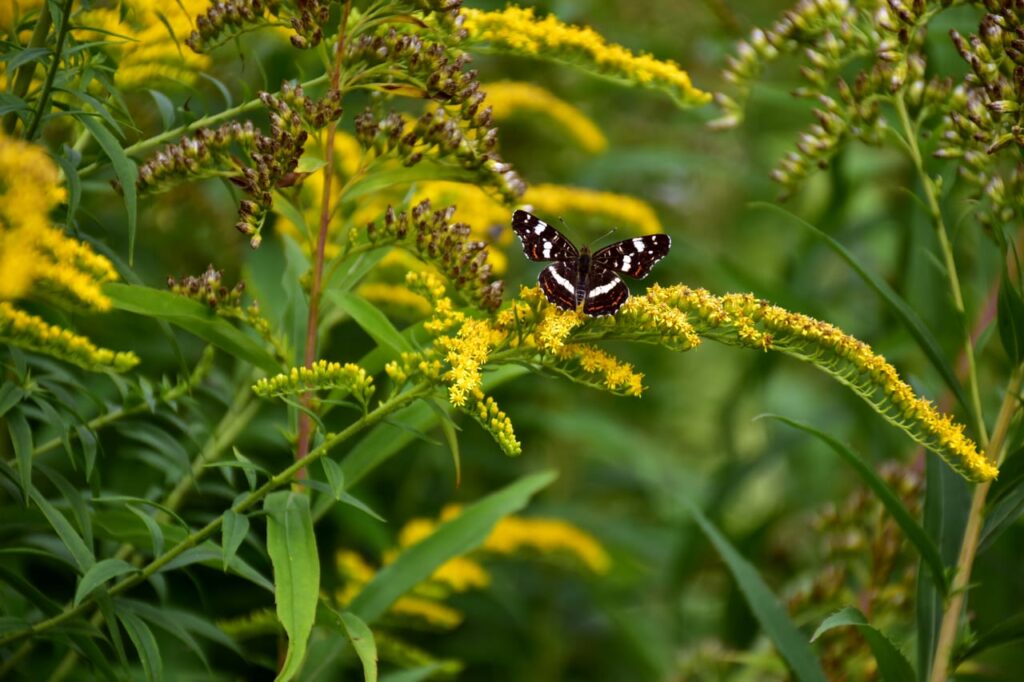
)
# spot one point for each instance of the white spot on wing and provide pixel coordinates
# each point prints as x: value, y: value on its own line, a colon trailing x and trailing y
x: 539, y: 228
x: 547, y: 250
x: 626, y: 262
x: 566, y: 284
x: 603, y: 289
x: 639, y: 244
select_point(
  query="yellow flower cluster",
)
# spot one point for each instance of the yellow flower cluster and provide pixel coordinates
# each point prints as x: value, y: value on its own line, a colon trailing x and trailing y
x: 508, y: 98
x: 13, y: 10
x: 494, y: 420
x: 611, y: 373
x: 38, y: 259
x: 20, y: 329
x: 555, y: 326
x: 741, y: 319
x: 466, y: 352
x: 321, y: 376
x: 394, y: 296
x: 152, y: 48
x: 520, y: 31
x: 547, y: 536
x: 635, y: 215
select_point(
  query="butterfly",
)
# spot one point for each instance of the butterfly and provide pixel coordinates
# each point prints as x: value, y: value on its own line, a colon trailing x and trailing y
x: 578, y: 277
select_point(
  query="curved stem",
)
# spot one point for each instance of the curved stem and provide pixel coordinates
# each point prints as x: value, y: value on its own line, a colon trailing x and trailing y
x: 44, y: 96
x: 972, y: 535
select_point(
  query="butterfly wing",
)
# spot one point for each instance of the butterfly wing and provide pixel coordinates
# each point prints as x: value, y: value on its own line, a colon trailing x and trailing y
x: 540, y: 240
x: 634, y: 257
x: 605, y: 294
x: 558, y: 282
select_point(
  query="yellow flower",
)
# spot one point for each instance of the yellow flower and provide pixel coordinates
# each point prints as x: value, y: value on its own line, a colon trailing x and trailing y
x: 35, y: 334
x: 635, y: 215
x: 13, y: 10
x: 321, y: 376
x: 508, y: 98
x: 153, y: 46
x: 518, y: 30
x: 466, y: 353
x: 547, y: 536
x: 555, y: 327
x: 394, y: 296
x: 615, y: 375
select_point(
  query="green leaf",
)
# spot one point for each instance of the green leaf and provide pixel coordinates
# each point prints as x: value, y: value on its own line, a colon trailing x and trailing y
x: 335, y: 477
x: 1006, y: 500
x: 193, y: 317
x: 382, y: 179
x: 291, y: 545
x: 21, y: 439
x: 912, y: 529
x: 892, y: 664
x: 156, y: 535
x: 1010, y: 319
x: 165, y: 106
x: 101, y: 572
x: 361, y: 638
x: 233, y: 532
x: 80, y: 552
x: 788, y: 640
x: 81, y: 511
x: 371, y: 319
x: 1006, y: 632
x: 124, y: 169
x: 248, y: 468
x: 899, y: 307
x: 10, y: 395
x: 145, y: 644
x: 455, y: 537
x: 25, y: 56
x: 449, y: 429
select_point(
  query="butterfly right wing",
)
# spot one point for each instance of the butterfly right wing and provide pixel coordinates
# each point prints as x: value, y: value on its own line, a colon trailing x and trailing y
x: 540, y: 240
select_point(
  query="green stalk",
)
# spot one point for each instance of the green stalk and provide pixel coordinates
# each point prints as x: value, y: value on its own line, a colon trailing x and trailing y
x: 24, y: 76
x: 44, y: 96
x: 282, y: 478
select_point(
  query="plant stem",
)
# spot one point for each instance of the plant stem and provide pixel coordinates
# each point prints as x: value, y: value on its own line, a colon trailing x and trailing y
x: 312, y: 322
x: 157, y: 140
x: 972, y: 534
x: 24, y: 77
x: 282, y: 478
x: 44, y: 96
x: 935, y: 211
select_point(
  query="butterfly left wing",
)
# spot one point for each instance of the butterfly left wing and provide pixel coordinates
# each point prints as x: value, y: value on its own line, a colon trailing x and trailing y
x: 605, y: 294
x: 540, y: 240
x: 558, y: 282
x: 634, y: 257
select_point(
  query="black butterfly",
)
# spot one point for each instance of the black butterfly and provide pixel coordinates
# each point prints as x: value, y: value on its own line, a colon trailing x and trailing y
x: 579, y: 278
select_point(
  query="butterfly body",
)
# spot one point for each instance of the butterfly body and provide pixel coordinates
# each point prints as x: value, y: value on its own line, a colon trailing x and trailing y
x: 581, y: 278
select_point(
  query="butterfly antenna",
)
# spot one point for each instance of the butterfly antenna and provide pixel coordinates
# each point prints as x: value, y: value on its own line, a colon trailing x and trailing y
x: 609, y: 232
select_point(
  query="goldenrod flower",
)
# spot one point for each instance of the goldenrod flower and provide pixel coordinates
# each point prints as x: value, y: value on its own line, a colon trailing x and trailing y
x: 321, y: 376
x: 35, y: 334
x: 635, y: 215
x: 465, y: 353
x: 508, y: 98
x: 741, y: 319
x: 556, y: 326
x: 151, y: 50
x: 547, y: 536
x: 519, y: 31
x: 609, y: 372
x: 393, y: 296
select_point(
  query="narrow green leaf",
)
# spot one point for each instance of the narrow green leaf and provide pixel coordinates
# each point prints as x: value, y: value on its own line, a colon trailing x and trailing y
x: 81, y: 553
x: 1006, y: 632
x: 789, y: 641
x: 1010, y: 320
x: 335, y: 477
x: 917, y: 328
x: 233, y: 532
x: 361, y: 638
x: 291, y: 545
x: 892, y: 664
x: 452, y: 538
x: 124, y: 169
x: 25, y: 56
x: 74, y: 498
x: 423, y: 672
x: 448, y: 428
x: 145, y: 644
x: 10, y: 395
x: 156, y: 535
x: 927, y: 549
x: 248, y: 468
x: 165, y: 106
x: 371, y: 319
x: 193, y: 317
x: 96, y: 106
x: 21, y: 439
x: 101, y: 572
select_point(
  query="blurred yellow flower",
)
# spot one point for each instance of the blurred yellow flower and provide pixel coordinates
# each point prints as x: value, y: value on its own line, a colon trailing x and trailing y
x: 487, y: 217
x: 634, y: 215
x: 547, y: 536
x: 508, y: 98
x: 148, y: 43
x: 520, y: 31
